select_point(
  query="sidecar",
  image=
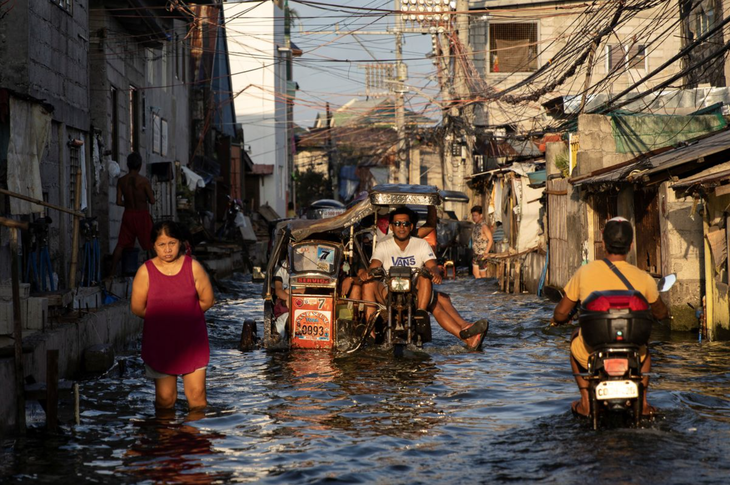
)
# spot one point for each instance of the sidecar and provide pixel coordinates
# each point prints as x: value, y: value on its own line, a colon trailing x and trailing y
x: 321, y: 258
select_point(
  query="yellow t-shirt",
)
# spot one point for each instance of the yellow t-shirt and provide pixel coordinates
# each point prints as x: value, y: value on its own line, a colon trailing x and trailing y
x: 597, y: 276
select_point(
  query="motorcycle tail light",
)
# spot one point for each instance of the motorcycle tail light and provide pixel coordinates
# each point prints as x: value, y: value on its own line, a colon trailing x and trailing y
x: 616, y: 367
x: 604, y: 303
x: 400, y: 285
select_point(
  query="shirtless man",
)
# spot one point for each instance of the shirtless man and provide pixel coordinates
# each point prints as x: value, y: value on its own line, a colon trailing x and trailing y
x: 134, y: 193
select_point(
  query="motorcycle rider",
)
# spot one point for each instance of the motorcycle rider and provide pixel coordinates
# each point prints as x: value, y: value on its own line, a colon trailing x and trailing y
x: 404, y: 250
x: 618, y: 238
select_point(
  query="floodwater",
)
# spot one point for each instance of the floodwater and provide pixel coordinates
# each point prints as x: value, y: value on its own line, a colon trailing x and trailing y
x: 441, y: 416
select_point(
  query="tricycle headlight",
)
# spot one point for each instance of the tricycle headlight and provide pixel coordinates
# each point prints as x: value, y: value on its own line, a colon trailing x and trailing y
x: 400, y: 285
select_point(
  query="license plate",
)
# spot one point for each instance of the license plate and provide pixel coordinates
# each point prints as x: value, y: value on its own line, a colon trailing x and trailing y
x: 616, y: 390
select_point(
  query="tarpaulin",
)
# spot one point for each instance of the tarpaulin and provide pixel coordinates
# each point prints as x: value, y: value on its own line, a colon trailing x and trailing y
x: 30, y: 126
x: 528, y: 233
x: 641, y: 134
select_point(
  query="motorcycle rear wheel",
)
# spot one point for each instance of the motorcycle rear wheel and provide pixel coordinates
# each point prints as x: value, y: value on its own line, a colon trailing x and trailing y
x: 639, y: 406
x: 594, y: 408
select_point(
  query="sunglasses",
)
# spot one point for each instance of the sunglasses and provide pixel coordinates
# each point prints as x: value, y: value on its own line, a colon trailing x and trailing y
x: 401, y: 223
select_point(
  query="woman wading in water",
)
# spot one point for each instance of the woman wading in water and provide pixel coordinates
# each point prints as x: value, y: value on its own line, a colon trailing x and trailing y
x: 171, y: 292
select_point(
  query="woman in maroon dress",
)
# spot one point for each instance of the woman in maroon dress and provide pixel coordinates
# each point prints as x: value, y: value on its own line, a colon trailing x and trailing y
x: 171, y: 292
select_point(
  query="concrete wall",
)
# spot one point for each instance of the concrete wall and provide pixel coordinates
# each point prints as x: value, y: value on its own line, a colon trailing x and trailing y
x: 112, y: 324
x: 682, y: 253
x: 259, y: 74
x: 162, y: 91
x: 553, y: 33
x: 44, y: 53
x: 597, y: 145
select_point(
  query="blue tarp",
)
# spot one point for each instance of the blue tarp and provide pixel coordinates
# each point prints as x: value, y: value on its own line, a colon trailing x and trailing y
x: 349, y: 181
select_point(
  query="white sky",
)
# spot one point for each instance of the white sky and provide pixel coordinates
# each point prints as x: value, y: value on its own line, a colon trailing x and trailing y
x: 330, y: 68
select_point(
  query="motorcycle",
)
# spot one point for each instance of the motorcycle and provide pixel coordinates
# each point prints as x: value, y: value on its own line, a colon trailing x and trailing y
x: 234, y: 220
x: 615, y: 324
x: 402, y: 324
x: 322, y: 254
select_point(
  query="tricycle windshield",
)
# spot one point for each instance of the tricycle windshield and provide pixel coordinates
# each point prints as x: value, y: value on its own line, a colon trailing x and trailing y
x: 317, y: 256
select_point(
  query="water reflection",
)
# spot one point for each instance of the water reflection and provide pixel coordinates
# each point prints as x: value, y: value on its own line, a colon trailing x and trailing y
x: 439, y: 416
x: 369, y: 393
x: 171, y: 450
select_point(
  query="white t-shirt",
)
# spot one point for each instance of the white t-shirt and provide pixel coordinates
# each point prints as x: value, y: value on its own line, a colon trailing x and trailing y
x: 282, y: 274
x: 415, y: 255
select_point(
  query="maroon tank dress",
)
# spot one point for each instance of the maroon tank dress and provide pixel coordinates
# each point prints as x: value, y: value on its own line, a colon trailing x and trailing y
x: 175, y: 336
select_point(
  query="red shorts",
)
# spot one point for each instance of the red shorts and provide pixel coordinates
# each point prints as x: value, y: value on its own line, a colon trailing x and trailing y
x: 135, y: 224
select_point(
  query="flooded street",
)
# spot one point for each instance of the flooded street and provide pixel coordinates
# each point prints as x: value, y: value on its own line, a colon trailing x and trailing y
x: 441, y: 416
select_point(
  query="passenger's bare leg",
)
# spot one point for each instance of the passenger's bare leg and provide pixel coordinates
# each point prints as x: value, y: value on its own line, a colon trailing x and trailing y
x: 444, y: 301
x: 446, y: 321
x: 583, y: 405
x: 645, y: 369
x: 370, y: 291
x: 450, y: 320
x: 424, y: 292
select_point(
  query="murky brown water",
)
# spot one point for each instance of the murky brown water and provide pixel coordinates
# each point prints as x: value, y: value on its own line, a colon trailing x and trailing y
x: 441, y: 416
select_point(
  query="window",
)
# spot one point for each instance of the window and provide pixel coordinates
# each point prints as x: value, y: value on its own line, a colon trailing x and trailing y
x: 163, y: 138
x: 513, y: 47
x: 623, y: 57
x: 165, y: 66
x: 156, y: 133
x: 133, y: 119
x: 66, y: 5
x: 637, y: 57
x: 704, y: 20
x: 114, y: 122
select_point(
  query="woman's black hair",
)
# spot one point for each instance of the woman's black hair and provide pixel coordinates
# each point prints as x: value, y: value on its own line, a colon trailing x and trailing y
x: 169, y: 228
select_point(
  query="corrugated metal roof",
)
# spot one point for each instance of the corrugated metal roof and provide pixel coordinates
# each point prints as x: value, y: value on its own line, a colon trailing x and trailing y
x: 711, y: 177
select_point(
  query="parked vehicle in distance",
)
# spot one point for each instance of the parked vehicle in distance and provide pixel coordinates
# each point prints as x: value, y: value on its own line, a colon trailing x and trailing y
x: 324, y: 208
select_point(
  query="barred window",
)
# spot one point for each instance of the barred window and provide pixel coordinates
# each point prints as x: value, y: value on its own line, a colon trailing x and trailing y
x: 513, y: 47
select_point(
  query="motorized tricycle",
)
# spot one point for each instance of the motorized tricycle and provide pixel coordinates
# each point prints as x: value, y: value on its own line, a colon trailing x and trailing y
x: 324, y: 258
x: 616, y: 324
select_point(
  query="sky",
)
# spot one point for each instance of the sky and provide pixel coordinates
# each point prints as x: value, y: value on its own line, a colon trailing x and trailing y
x: 330, y: 69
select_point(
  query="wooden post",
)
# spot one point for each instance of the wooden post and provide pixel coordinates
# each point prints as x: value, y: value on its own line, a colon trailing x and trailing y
x: 17, y: 335
x: 77, y: 412
x: 52, y: 390
x: 518, y: 268
x: 75, y: 238
x: 507, y: 275
x: 500, y: 273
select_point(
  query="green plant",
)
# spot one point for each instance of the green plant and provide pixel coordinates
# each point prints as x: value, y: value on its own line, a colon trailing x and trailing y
x: 562, y: 163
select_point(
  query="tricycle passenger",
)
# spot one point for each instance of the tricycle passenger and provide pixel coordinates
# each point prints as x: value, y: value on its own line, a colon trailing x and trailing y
x: 281, y: 290
x: 405, y: 250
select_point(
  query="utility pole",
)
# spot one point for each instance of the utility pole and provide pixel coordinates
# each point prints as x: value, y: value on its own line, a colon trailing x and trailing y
x: 462, y: 163
x: 332, y: 165
x: 401, y: 157
x: 289, y: 108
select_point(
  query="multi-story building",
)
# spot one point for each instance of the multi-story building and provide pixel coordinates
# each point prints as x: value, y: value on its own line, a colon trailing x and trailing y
x: 259, y: 57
